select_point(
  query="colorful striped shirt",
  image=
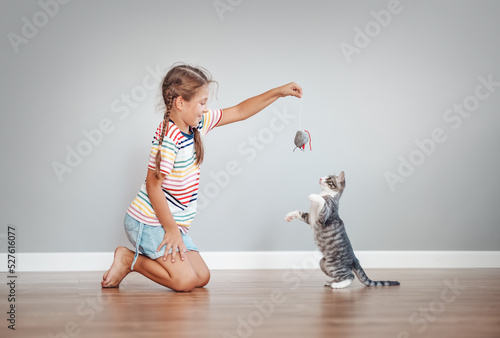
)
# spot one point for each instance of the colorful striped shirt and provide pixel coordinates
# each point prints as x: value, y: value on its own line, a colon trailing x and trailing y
x: 180, y: 185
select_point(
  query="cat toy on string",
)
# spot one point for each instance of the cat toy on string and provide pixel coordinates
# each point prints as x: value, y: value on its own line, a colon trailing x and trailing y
x: 302, y: 137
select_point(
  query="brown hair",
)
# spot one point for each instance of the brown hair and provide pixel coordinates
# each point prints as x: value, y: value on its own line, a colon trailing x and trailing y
x: 184, y: 81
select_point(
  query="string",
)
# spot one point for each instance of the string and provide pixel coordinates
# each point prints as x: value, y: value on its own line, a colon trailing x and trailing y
x: 300, y: 114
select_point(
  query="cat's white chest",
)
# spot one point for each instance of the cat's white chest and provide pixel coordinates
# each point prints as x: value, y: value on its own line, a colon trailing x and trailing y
x: 317, y: 204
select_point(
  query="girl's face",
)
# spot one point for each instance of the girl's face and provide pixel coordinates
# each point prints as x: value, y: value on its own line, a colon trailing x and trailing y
x: 193, y: 110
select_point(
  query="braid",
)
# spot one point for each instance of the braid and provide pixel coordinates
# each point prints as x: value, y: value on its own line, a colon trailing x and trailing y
x: 164, y: 130
x: 198, y: 146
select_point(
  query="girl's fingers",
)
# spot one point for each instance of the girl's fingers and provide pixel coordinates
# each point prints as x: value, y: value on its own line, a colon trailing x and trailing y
x: 183, y: 252
x: 293, y: 89
x: 167, y: 250
x: 174, y: 253
x: 172, y: 248
x: 166, y: 254
x: 296, y: 90
x: 161, y: 246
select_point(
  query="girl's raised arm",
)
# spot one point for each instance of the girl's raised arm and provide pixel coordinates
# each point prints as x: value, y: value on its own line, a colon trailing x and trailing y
x: 255, y: 104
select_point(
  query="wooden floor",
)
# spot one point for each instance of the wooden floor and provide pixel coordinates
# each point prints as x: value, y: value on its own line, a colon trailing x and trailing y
x: 258, y: 303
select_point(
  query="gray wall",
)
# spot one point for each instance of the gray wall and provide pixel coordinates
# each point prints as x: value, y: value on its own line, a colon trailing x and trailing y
x: 367, y: 102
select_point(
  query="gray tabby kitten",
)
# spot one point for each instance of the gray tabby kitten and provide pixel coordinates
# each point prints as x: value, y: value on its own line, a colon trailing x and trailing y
x: 339, y: 261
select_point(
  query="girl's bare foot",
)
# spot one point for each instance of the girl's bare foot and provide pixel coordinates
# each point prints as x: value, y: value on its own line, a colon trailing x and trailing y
x: 119, y: 269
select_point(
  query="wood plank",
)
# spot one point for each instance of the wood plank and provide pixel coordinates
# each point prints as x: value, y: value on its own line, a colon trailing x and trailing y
x: 259, y: 303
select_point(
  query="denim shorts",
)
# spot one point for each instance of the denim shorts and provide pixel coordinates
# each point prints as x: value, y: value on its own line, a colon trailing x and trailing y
x: 147, y: 238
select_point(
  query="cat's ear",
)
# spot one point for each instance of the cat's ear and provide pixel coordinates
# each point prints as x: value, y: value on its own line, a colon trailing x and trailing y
x: 342, y: 177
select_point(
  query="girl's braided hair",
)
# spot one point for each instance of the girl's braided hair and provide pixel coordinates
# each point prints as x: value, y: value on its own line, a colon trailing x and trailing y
x: 184, y: 81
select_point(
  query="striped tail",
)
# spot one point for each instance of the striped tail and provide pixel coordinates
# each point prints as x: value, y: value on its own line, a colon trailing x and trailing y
x: 358, y: 270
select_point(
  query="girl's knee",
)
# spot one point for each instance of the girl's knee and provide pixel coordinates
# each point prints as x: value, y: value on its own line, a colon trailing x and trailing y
x: 185, y: 283
x: 203, y: 278
x: 190, y: 281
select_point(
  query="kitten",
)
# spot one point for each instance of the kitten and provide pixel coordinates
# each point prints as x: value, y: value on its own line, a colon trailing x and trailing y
x: 339, y: 261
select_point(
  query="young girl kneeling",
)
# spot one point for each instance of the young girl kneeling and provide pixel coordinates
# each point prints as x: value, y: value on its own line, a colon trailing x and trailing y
x: 157, y: 221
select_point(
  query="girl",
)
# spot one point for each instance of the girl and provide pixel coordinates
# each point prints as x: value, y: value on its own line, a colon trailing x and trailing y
x: 157, y: 221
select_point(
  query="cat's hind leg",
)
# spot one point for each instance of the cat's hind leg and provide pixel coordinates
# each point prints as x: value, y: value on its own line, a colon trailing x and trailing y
x: 341, y: 278
x: 322, y: 266
x: 326, y: 270
x: 341, y: 285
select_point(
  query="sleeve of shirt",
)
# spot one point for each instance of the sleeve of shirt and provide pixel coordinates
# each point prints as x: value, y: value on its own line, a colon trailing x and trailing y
x: 169, y: 152
x: 209, y: 121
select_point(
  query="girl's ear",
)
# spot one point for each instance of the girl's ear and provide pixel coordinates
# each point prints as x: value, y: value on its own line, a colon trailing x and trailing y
x: 179, y: 102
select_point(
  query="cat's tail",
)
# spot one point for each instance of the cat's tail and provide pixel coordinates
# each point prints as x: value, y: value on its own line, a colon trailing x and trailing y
x: 358, y: 270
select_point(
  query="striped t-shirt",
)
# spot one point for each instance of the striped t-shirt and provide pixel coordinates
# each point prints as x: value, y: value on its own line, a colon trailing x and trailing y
x: 182, y: 174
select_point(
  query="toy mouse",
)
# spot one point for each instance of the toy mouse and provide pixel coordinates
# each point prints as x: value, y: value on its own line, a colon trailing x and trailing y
x: 301, y: 139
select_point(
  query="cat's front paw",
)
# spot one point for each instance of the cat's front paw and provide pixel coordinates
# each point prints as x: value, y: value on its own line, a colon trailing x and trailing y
x: 292, y: 215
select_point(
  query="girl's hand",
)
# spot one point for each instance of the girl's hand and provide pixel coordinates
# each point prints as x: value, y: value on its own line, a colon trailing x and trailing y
x: 291, y: 89
x: 173, y: 240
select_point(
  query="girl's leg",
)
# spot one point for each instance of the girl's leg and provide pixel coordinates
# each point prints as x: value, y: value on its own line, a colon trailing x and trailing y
x: 179, y: 276
x: 202, y: 271
x: 119, y: 269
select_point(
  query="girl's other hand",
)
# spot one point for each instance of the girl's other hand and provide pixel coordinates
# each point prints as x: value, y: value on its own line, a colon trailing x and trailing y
x: 173, y: 240
x: 291, y: 89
